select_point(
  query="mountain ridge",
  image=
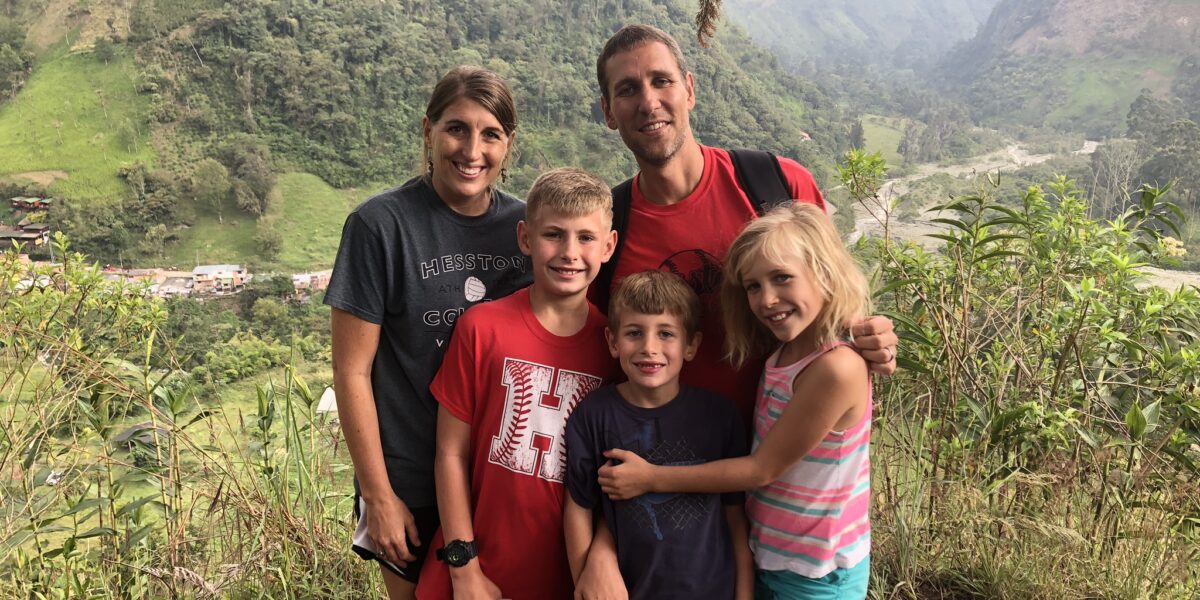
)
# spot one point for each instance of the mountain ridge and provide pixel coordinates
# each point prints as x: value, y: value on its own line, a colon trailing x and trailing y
x: 897, y: 33
x: 1071, y: 64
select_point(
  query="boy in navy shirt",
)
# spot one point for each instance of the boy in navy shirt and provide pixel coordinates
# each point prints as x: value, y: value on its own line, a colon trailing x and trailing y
x: 668, y: 545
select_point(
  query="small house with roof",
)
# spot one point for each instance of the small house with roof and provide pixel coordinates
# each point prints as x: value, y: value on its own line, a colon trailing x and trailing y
x: 25, y: 233
x: 30, y: 203
x: 218, y: 278
x: 311, y: 282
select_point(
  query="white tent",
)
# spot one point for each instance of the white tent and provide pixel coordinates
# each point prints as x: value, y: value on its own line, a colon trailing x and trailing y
x: 328, y: 402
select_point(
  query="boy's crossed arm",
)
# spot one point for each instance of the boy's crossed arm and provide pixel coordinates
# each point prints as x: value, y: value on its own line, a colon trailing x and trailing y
x: 591, y: 548
x: 592, y: 553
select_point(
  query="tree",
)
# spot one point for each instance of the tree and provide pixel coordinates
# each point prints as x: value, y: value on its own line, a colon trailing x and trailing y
x: 1177, y: 162
x: 11, y: 33
x: 706, y: 20
x: 1114, y: 167
x: 279, y: 287
x: 210, y: 185
x: 246, y: 200
x: 910, y: 144
x: 268, y: 240
x: 104, y: 49
x: 252, y: 176
x: 255, y: 170
x: 13, y: 66
x: 155, y: 240
x: 135, y: 177
x: 1187, y: 84
x: 858, y: 136
x: 271, y: 318
x: 1149, y: 117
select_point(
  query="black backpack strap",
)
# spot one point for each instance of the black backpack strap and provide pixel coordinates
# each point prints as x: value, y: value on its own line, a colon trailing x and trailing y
x: 622, y: 200
x: 761, y: 178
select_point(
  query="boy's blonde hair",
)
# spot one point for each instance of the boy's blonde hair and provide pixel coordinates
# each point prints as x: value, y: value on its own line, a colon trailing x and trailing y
x: 793, y: 232
x: 570, y: 192
x: 653, y: 293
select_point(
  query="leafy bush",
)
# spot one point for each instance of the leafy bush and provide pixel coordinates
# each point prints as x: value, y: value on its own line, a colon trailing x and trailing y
x: 1043, y: 435
x: 119, y: 483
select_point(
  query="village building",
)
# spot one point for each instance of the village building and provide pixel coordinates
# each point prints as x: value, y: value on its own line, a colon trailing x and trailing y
x: 218, y: 278
x: 311, y: 282
x: 30, y: 203
x: 25, y: 233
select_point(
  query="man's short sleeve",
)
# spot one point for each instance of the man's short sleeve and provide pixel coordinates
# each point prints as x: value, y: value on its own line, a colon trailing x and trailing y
x: 582, y: 460
x: 454, y: 386
x: 801, y: 183
x: 359, y: 283
x: 735, y: 446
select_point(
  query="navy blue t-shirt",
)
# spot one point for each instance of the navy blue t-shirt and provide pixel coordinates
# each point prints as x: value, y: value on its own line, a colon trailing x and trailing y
x: 668, y: 545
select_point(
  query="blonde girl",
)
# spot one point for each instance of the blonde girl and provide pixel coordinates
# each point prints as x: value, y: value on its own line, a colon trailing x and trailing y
x: 791, y: 286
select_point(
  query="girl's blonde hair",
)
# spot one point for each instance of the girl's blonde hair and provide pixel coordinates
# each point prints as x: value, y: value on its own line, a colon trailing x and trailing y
x: 793, y: 232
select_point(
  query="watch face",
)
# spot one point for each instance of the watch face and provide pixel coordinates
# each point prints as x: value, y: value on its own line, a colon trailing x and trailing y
x: 457, y: 553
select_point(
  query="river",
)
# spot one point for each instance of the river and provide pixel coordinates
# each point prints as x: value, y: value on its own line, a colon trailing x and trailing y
x: 868, y: 220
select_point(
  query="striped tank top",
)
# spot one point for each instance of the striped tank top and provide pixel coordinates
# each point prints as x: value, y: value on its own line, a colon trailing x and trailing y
x: 814, y: 518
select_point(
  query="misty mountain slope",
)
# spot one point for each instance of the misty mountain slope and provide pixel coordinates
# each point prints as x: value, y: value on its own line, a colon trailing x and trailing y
x: 1072, y: 64
x: 335, y: 90
x: 901, y: 33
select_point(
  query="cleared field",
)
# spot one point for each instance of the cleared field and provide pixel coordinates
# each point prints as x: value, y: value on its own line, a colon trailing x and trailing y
x: 79, y: 116
x: 1102, y: 92
x: 883, y: 135
x: 309, y: 213
x: 306, y: 211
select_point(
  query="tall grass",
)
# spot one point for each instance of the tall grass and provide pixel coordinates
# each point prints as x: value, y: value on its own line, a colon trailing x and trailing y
x: 118, y: 483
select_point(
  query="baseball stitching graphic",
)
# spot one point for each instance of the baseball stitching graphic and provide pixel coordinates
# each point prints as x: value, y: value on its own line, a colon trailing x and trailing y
x: 532, y: 416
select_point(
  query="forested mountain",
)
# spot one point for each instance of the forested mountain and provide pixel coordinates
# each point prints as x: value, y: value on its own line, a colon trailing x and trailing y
x: 1074, y: 64
x: 229, y: 94
x: 894, y: 33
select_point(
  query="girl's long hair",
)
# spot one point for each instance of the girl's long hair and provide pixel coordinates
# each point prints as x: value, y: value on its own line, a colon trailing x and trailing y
x: 789, y: 233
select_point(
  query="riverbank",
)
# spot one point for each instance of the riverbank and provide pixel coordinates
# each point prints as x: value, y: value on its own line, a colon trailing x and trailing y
x: 871, y: 218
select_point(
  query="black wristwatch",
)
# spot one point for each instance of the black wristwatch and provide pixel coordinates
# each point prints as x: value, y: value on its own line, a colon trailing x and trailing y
x: 458, y: 553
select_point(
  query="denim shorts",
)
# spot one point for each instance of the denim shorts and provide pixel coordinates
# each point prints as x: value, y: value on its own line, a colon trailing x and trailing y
x: 841, y: 584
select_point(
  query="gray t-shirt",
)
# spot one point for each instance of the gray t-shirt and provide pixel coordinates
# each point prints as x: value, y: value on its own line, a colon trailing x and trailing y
x: 409, y: 263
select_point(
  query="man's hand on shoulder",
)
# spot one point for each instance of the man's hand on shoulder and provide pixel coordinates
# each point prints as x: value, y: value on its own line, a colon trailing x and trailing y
x: 876, y: 341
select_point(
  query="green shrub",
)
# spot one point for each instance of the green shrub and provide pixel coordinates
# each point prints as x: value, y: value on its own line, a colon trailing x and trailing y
x: 1043, y: 435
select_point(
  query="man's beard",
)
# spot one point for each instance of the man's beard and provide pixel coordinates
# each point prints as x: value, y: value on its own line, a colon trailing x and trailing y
x: 657, y: 157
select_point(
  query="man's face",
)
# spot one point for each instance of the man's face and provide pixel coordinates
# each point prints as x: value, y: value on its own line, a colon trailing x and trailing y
x: 648, y: 102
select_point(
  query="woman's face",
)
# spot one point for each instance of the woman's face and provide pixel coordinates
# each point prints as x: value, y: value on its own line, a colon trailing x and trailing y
x: 467, y: 146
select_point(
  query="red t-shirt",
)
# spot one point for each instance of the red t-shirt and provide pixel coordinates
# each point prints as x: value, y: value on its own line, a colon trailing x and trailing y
x: 691, y: 238
x: 515, y: 383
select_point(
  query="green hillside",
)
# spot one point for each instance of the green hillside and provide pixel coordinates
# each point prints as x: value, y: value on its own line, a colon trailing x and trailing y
x: 1069, y: 65
x: 338, y: 93
x: 883, y: 135
x: 307, y: 212
x: 75, y: 122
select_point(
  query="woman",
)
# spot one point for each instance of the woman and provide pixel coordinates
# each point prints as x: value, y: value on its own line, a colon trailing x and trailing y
x: 411, y: 260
